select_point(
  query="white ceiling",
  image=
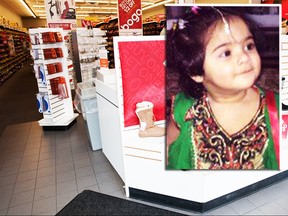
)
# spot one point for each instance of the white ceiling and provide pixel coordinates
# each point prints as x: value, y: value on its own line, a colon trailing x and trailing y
x: 97, y: 8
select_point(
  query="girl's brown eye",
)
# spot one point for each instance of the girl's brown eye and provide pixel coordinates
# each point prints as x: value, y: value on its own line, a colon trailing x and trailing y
x: 226, y: 54
x: 250, y: 46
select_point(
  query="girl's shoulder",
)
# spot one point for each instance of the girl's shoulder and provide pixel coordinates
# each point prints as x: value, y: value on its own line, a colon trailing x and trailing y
x: 181, y: 100
x: 180, y: 105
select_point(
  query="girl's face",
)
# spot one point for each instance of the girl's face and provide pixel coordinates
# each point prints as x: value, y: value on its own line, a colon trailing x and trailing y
x: 231, y: 61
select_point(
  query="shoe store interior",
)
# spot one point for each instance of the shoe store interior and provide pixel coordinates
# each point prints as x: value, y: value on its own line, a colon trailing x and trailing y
x: 90, y: 99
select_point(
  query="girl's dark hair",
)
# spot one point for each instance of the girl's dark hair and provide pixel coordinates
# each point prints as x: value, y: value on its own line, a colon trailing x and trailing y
x: 185, y: 43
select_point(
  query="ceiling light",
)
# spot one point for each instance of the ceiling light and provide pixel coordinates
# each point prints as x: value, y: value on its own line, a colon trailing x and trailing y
x: 147, y: 3
x: 157, y: 4
x: 97, y: 7
x: 27, y: 8
x: 97, y: 1
x: 100, y: 12
x: 38, y: 6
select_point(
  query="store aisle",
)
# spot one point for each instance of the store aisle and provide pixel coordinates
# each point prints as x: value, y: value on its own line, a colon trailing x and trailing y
x: 17, y: 98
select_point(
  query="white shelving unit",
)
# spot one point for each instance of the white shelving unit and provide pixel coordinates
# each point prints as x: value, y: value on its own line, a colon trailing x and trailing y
x: 88, y: 45
x: 57, y: 106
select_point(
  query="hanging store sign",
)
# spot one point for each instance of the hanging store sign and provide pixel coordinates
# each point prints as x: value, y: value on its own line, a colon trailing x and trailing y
x: 61, y: 14
x: 130, y: 17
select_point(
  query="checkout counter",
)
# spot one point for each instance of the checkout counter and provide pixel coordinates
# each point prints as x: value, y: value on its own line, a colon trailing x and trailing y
x: 140, y: 162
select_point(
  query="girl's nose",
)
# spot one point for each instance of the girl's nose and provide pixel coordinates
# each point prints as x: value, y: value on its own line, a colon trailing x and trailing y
x: 243, y: 57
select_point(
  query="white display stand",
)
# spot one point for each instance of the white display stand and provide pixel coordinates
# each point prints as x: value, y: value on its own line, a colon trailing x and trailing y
x: 141, y: 161
x: 88, y: 46
x: 60, y: 113
x: 108, y: 112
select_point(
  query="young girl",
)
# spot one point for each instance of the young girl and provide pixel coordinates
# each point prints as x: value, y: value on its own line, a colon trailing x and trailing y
x: 220, y: 119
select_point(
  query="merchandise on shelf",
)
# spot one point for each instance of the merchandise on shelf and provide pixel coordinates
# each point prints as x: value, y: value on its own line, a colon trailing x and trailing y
x: 51, y: 68
x: 112, y: 30
x: 88, y: 48
x: 153, y: 28
x: 14, y: 51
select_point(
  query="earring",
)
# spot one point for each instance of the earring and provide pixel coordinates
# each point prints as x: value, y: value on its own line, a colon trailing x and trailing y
x: 197, y: 78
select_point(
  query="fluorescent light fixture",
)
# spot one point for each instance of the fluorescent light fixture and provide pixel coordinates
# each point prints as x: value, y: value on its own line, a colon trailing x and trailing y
x: 98, y: 1
x: 98, y: 12
x: 38, y: 6
x: 157, y: 4
x: 40, y: 11
x: 97, y: 7
x: 27, y: 8
x: 147, y: 3
x: 82, y: 15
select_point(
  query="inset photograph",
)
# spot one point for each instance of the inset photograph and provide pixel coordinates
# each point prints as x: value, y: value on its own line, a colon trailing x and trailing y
x: 222, y: 87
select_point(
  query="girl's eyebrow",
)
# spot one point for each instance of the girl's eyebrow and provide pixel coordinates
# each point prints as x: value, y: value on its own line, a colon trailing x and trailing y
x: 249, y: 37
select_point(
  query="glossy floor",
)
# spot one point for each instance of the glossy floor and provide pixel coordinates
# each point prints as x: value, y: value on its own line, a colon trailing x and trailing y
x: 41, y: 171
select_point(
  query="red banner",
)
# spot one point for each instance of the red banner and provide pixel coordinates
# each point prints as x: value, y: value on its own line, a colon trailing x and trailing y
x: 130, y: 16
x: 285, y: 9
x: 143, y: 77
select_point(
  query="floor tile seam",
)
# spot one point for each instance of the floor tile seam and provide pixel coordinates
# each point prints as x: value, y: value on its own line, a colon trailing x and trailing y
x: 95, y: 174
x: 18, y: 175
x: 56, y: 192
x: 10, y: 207
x: 46, y: 196
x: 37, y: 171
x: 118, y: 179
x: 259, y: 208
x: 230, y: 205
x: 34, y: 213
x: 64, y: 181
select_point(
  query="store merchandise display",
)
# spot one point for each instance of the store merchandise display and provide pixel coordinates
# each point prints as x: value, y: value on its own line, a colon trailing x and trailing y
x: 153, y: 28
x: 111, y: 28
x: 51, y: 67
x: 144, y: 111
x: 88, y: 49
x: 14, y: 51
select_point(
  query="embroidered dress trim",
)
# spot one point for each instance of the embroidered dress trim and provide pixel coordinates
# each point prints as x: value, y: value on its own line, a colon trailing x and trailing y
x: 213, y: 148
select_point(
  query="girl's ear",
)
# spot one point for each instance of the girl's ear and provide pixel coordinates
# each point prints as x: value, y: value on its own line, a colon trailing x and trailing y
x: 197, y: 78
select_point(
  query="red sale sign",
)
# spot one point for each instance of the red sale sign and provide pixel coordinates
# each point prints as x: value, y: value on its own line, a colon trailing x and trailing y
x: 130, y: 17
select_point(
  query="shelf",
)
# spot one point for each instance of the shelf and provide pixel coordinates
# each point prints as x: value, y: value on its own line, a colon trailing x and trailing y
x: 54, y: 98
x: 11, y: 62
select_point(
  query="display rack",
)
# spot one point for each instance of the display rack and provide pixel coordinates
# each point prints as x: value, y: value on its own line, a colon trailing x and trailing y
x: 153, y: 28
x: 87, y: 44
x: 51, y: 71
x: 14, y: 51
x: 112, y: 30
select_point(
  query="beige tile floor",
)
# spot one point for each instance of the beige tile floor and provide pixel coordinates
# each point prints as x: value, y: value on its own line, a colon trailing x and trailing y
x: 41, y: 171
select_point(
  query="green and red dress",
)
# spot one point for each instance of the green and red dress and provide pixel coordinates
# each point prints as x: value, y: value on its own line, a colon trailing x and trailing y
x: 204, y: 144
